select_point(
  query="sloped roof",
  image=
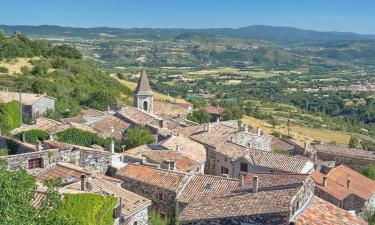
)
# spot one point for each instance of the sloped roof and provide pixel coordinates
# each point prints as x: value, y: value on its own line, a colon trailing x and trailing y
x: 333, y: 188
x: 360, y: 185
x: 321, y: 212
x: 182, y: 162
x: 27, y: 98
x: 63, y: 171
x: 143, y: 85
x: 104, y: 127
x: 345, y: 151
x: 217, y: 110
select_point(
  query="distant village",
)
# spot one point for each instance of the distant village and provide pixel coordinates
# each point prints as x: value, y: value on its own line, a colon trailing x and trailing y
x: 221, y: 172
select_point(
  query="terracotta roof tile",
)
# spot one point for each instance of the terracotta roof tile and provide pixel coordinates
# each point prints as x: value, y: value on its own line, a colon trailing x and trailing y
x: 182, y: 162
x: 66, y: 172
x: 320, y: 212
x: 333, y: 188
x: 103, y: 127
x: 27, y: 98
x: 345, y: 151
x: 214, y: 109
x: 138, y: 116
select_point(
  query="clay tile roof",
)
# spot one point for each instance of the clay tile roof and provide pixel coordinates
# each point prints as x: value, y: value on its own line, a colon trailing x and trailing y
x: 169, y: 108
x: 360, y: 185
x: 278, y: 143
x: 143, y: 85
x: 320, y: 212
x: 64, y: 171
x: 89, y: 112
x: 204, y: 185
x: 333, y: 188
x: 138, y: 116
x: 345, y: 151
x: 214, y: 109
x: 41, y: 123
x: 27, y: 98
x: 273, y: 181
x: 103, y: 127
x: 182, y: 162
x: 131, y: 202
x: 190, y: 130
x: 188, y: 147
x: 236, y: 205
x: 167, y: 179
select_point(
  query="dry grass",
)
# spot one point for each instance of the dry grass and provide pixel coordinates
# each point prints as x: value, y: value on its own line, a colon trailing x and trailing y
x: 300, y: 133
x: 157, y: 96
x: 14, y: 66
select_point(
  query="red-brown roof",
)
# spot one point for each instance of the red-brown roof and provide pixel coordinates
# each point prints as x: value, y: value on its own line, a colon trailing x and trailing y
x: 360, y: 185
x: 321, y: 212
x: 332, y: 188
x: 217, y: 110
x: 64, y: 171
x: 182, y: 162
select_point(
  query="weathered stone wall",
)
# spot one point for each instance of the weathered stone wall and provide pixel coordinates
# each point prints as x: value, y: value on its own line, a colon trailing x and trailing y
x: 21, y: 147
x: 303, y: 196
x: 264, y: 219
x: 42, y: 105
x: 255, y: 141
x: 152, y: 192
x: 329, y: 198
x: 141, y: 217
x: 355, y: 163
x: 92, y: 160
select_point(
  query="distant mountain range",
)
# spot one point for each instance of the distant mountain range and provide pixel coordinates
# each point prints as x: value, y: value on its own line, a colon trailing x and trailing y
x: 270, y: 33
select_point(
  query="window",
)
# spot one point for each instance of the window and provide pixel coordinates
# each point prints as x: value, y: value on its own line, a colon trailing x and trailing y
x: 145, y: 105
x: 224, y: 170
x: 35, y: 163
x: 135, y: 223
x: 337, y: 159
x: 244, y: 167
x: 198, y: 169
x: 160, y: 196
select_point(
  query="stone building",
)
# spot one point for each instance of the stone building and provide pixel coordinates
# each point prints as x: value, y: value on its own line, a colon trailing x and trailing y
x: 166, y: 187
x: 263, y: 198
x: 33, y: 105
x: 143, y: 95
x: 35, y: 162
x: 342, y: 155
x: 345, y: 188
x: 231, y: 152
x: 134, y: 208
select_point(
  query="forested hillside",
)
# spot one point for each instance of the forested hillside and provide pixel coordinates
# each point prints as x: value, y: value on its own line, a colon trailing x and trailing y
x: 59, y: 71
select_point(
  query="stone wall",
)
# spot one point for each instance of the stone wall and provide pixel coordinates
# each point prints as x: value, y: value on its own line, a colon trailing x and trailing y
x: 141, y: 217
x: 92, y: 160
x: 21, y: 147
x: 353, y: 202
x: 355, y: 163
x: 329, y: 198
x: 302, y: 197
x: 42, y: 105
x: 163, y: 205
x: 281, y: 218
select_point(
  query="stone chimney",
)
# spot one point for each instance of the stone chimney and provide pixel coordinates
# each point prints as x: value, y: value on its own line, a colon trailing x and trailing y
x: 162, y: 123
x: 209, y: 127
x: 246, y: 128
x: 325, y: 181
x: 242, y: 181
x: 108, y: 109
x: 348, y: 184
x: 50, y: 136
x: 112, y: 146
x: 39, y: 146
x: 258, y: 130
x: 83, y: 182
x: 255, y: 184
x: 218, y: 120
x: 305, y: 148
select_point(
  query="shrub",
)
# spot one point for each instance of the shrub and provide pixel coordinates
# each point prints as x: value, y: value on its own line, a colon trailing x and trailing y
x: 10, y: 116
x: 79, y: 137
x: 199, y: 116
x: 4, y: 151
x: 137, y: 136
x: 35, y: 135
x: 156, y: 219
x: 3, y: 69
x: 369, y: 171
x: 88, y: 209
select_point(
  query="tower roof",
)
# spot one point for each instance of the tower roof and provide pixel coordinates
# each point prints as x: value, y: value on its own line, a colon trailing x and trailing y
x: 143, y: 86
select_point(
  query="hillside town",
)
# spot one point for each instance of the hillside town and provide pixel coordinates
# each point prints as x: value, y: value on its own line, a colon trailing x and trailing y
x: 220, y: 172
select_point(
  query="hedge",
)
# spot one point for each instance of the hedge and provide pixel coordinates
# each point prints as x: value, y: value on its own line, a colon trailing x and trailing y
x: 88, y: 208
x: 10, y: 116
x: 34, y: 135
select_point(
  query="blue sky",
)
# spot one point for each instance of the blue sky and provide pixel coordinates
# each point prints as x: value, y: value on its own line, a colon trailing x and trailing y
x: 325, y: 15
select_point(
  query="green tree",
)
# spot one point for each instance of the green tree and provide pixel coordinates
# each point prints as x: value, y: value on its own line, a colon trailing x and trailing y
x: 274, y: 122
x: 156, y: 219
x: 199, y: 116
x: 100, y: 100
x: 10, y: 116
x: 3, y: 69
x: 137, y: 136
x: 353, y: 142
x: 34, y: 135
x: 369, y: 171
x: 175, y: 219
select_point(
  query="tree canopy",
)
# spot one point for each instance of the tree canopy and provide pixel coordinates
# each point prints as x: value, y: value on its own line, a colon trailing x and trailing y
x: 137, y: 136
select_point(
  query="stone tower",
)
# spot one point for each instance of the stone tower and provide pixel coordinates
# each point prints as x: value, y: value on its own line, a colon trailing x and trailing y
x: 143, y: 95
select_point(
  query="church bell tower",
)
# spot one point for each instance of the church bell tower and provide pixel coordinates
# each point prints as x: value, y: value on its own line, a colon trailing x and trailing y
x: 143, y: 95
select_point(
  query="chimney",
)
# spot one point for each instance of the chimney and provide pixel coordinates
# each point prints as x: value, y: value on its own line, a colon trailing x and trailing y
x: 246, y: 129
x: 178, y: 148
x: 83, y: 182
x: 23, y: 137
x: 112, y: 146
x: 39, y: 146
x: 209, y: 128
x: 348, y: 184
x: 162, y: 123
x: 255, y: 184
x: 50, y: 136
x: 108, y: 109
x: 280, y: 135
x: 242, y: 181
x: 305, y: 148
x: 325, y: 181
x: 218, y: 120
x: 258, y: 130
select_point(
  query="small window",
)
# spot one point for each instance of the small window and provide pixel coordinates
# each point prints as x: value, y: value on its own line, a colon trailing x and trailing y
x: 244, y: 167
x: 337, y: 159
x: 35, y: 163
x: 198, y: 169
x: 224, y: 170
x: 160, y: 196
